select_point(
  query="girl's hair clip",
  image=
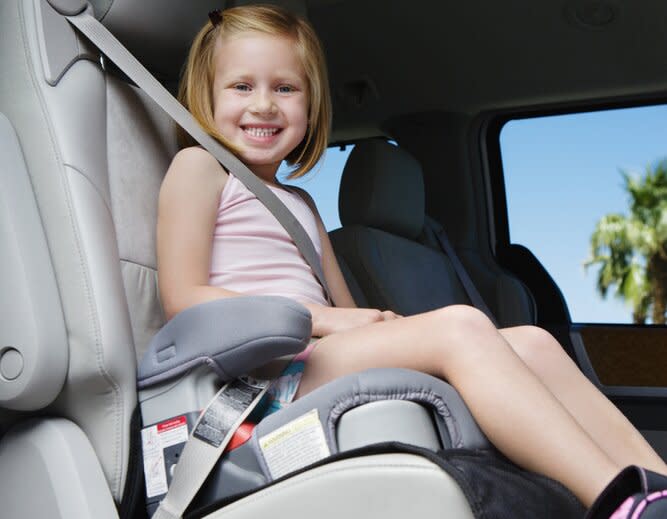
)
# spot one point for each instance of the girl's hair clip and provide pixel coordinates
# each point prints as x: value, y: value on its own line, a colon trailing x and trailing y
x: 215, y: 17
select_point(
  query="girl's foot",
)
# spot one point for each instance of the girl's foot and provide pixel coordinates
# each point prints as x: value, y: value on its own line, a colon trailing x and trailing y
x: 647, y: 499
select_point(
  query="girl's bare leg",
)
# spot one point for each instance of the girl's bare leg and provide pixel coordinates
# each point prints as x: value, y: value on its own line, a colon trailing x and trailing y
x: 590, y: 408
x: 515, y: 410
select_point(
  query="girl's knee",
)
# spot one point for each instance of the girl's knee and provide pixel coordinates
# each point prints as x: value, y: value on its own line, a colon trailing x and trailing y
x: 536, y: 346
x: 464, y: 316
x: 464, y: 321
x: 535, y: 336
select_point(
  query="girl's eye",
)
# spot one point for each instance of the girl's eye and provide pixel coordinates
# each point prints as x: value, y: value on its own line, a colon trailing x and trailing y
x: 285, y: 89
x: 242, y: 87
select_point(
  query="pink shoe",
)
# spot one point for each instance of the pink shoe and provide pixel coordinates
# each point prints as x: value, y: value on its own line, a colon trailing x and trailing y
x: 644, y: 506
x: 647, y: 491
x: 623, y: 511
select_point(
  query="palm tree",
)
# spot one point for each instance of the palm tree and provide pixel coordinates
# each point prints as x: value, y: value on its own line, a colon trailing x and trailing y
x: 632, y: 250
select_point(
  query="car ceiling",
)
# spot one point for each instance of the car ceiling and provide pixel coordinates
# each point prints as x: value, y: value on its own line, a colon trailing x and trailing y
x: 389, y: 58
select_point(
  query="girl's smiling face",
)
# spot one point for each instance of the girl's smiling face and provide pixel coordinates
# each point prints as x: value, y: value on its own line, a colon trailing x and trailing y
x: 260, y: 100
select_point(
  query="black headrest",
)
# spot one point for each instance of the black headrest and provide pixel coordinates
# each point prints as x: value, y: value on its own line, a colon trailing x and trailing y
x: 382, y: 187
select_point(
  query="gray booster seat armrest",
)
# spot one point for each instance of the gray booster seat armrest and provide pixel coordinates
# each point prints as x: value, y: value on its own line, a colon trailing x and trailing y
x: 233, y: 336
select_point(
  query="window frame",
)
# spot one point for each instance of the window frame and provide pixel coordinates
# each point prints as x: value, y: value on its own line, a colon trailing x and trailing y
x: 551, y: 305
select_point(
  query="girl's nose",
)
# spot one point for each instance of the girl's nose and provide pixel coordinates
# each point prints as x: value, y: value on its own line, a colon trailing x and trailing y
x: 263, y: 104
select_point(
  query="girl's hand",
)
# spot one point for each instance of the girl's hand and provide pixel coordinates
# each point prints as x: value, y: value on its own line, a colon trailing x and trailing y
x: 328, y: 320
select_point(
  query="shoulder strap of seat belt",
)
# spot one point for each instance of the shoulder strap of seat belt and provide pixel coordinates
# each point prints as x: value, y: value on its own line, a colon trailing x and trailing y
x: 130, y: 66
x: 468, y: 285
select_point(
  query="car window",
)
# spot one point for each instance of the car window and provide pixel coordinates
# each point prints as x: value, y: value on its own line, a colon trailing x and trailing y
x: 323, y: 183
x: 587, y: 194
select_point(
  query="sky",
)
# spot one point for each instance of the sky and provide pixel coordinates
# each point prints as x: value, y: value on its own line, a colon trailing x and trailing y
x: 562, y: 174
x: 322, y: 184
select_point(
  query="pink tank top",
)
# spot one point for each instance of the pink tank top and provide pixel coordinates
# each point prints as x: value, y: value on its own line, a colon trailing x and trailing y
x: 254, y: 255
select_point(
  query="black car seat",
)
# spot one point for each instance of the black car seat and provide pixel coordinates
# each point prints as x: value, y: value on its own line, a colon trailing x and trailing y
x: 390, y: 247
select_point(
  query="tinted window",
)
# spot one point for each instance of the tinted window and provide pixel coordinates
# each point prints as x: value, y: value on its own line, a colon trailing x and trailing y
x: 565, y: 180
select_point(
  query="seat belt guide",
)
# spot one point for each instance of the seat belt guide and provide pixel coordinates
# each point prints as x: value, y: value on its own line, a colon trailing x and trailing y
x: 224, y: 411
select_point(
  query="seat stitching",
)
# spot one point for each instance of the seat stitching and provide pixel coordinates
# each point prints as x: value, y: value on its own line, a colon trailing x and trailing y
x: 138, y: 264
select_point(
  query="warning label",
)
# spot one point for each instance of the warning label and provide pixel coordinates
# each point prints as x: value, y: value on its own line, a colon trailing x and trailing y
x: 154, y: 440
x: 173, y: 431
x: 295, y: 445
x: 227, y: 408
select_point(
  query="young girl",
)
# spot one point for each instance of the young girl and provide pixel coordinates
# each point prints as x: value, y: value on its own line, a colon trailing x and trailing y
x: 256, y: 81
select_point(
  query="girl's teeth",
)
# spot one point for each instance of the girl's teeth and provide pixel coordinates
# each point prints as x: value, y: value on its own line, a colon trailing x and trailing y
x: 261, y: 132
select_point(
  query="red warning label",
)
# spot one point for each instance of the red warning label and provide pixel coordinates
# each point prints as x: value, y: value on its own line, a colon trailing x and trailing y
x: 172, y: 423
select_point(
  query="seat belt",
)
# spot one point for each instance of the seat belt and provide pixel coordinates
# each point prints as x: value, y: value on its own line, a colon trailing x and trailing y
x: 468, y: 285
x: 210, y: 436
x: 234, y: 402
x: 133, y: 69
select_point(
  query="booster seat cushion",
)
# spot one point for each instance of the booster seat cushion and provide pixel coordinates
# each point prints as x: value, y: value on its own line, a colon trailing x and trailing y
x: 308, y: 430
x: 459, y: 429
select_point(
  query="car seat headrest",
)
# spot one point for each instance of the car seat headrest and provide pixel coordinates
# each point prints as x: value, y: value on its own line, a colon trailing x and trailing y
x: 382, y: 187
x: 68, y: 7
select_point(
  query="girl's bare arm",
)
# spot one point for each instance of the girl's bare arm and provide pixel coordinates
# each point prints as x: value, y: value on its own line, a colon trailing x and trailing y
x: 187, y: 210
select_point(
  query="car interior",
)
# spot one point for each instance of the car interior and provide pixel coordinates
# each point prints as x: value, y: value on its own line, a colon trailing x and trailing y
x: 422, y: 91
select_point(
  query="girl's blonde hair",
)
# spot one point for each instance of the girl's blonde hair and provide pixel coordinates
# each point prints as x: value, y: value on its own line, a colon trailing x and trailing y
x: 196, y: 93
